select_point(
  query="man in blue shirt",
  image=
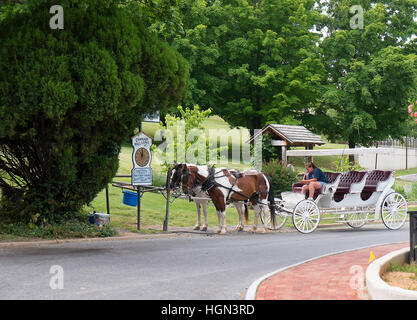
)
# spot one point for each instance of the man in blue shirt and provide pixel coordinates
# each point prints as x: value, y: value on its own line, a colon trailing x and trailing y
x: 315, y: 180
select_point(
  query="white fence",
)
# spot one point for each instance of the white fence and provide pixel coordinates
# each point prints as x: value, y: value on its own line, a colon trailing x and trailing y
x: 398, y: 158
x: 393, y: 158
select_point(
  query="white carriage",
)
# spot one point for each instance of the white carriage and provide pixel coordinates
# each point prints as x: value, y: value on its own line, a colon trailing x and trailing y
x: 353, y: 197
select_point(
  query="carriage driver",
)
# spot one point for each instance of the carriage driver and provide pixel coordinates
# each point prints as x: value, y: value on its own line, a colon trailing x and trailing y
x: 315, y: 180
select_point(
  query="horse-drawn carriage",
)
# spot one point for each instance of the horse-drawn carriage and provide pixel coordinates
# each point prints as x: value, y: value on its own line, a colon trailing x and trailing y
x: 353, y: 197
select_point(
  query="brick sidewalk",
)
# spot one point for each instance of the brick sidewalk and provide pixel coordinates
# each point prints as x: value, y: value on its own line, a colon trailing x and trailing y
x: 326, y: 278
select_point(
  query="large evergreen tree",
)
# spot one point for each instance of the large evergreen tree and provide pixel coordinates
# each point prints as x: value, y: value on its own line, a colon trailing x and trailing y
x: 69, y: 97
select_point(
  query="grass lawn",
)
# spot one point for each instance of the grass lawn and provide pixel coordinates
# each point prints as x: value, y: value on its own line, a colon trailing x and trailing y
x: 402, y: 172
x: 182, y: 212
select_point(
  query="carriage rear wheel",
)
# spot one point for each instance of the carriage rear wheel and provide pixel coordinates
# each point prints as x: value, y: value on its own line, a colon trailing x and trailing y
x: 394, y: 211
x: 280, y: 219
x: 306, y: 216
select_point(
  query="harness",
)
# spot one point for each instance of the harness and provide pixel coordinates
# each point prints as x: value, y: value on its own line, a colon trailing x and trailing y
x: 211, y: 182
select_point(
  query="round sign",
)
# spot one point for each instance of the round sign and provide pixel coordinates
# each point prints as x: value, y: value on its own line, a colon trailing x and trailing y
x: 142, y: 157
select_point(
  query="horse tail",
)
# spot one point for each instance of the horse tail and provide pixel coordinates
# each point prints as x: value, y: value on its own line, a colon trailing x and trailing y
x: 271, y: 199
x: 246, y: 213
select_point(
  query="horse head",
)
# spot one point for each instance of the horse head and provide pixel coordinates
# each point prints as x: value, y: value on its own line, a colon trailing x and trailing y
x: 187, y: 176
x: 176, y: 175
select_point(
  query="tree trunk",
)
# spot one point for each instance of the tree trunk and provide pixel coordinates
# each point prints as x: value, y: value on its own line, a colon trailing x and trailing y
x: 352, y: 145
x: 256, y: 123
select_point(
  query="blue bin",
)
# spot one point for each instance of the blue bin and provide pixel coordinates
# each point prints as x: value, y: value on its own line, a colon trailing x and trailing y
x: 130, y: 198
x: 91, y: 217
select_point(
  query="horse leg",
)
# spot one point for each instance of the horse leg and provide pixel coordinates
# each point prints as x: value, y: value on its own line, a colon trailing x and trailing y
x: 223, y: 222
x: 219, y: 228
x: 239, y: 209
x: 265, y: 210
x: 256, y: 211
x: 197, y: 226
x: 205, y: 226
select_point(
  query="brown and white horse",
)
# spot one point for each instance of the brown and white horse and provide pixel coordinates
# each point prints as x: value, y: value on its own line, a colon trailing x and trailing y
x: 201, y: 198
x: 225, y: 186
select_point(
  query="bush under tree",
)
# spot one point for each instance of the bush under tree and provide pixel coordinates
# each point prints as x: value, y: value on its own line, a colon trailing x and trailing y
x: 282, y: 177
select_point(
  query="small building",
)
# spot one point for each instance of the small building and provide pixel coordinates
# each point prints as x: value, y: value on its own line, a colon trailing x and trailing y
x: 287, y: 136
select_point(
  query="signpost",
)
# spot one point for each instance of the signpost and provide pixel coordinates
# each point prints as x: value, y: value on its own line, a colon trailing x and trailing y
x: 141, y: 158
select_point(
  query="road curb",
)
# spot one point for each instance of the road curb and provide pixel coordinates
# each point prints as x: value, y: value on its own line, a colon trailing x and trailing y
x: 378, y: 289
x: 57, y: 241
x: 253, y: 288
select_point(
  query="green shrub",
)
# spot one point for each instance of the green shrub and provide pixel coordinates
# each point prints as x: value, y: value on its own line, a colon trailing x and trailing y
x: 400, y: 190
x: 409, y: 192
x: 413, y: 194
x: 342, y: 164
x: 282, y: 177
x: 73, y: 228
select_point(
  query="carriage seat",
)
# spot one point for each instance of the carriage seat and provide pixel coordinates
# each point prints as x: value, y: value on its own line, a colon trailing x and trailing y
x: 349, y: 183
x: 374, y: 179
x: 330, y: 176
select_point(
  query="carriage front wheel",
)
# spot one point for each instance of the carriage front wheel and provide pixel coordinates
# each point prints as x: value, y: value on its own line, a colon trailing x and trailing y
x: 394, y: 211
x: 306, y: 216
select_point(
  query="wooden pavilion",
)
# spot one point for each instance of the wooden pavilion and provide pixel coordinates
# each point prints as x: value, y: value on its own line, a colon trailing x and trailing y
x: 287, y: 136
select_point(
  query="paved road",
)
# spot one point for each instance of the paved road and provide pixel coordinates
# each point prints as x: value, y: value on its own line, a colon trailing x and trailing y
x: 408, y: 177
x: 186, y: 266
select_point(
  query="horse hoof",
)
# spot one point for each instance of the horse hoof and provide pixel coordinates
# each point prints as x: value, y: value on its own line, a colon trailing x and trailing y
x: 265, y: 231
x: 203, y: 229
x: 223, y: 232
x: 239, y: 228
x: 218, y: 231
x: 196, y: 228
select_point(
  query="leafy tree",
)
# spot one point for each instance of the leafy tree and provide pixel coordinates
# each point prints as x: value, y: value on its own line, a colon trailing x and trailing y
x: 371, y: 76
x: 69, y: 97
x: 252, y: 62
x: 189, y: 142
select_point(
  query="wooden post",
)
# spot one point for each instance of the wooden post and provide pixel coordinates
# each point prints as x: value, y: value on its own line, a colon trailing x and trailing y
x: 406, y: 153
x: 168, y: 189
x: 284, y: 154
x: 309, y: 158
x: 138, y: 208
x: 107, y: 200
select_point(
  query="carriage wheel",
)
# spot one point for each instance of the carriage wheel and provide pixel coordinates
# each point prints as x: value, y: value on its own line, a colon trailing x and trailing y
x: 394, y: 211
x: 356, y: 219
x: 306, y: 216
x: 280, y: 219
